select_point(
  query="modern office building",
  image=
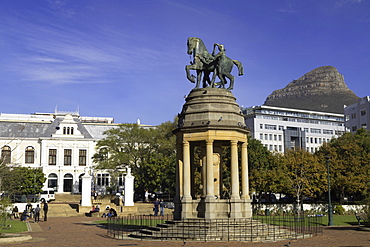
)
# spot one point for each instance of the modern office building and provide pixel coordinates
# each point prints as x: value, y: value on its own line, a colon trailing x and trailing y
x: 357, y: 115
x: 61, y: 143
x: 280, y: 128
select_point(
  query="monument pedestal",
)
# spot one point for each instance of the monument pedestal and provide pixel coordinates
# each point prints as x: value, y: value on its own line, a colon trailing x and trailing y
x: 211, y: 120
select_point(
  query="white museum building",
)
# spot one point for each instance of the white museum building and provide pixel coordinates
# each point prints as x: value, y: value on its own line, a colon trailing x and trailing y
x: 281, y: 128
x: 61, y: 143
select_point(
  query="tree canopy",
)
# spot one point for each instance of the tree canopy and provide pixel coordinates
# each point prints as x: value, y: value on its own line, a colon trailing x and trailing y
x: 149, y: 152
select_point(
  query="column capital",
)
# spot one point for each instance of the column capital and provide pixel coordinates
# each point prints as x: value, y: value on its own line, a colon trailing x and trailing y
x: 209, y: 141
x: 233, y: 142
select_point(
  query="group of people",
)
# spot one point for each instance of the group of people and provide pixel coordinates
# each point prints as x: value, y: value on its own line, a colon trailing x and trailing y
x: 111, y: 213
x: 158, y: 207
x: 30, y: 212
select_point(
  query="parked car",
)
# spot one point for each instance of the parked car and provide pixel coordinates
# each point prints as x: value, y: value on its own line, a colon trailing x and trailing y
x: 286, y: 199
x: 267, y: 198
x: 170, y: 205
x: 47, y: 194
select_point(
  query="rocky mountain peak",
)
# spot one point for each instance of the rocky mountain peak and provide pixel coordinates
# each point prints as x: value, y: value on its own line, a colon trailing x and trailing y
x: 322, y: 89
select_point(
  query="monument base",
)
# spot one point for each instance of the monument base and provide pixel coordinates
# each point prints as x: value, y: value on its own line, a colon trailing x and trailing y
x: 209, y: 208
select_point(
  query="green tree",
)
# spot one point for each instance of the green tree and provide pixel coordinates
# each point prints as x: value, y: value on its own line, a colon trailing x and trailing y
x: 303, y: 175
x: 150, y: 152
x: 264, y: 169
x: 23, y: 180
x: 349, y: 163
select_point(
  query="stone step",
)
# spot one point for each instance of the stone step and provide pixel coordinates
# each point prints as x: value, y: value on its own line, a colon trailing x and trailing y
x: 61, y: 210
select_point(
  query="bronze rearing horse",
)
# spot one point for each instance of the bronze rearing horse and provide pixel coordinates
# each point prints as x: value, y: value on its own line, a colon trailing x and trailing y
x: 205, y: 63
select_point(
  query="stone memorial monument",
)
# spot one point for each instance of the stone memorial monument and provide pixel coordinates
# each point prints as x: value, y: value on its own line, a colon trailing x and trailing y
x: 210, y: 120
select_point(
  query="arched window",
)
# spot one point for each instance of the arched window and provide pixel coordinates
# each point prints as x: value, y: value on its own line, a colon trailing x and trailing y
x: 30, y: 155
x: 64, y: 130
x: 6, y: 155
x: 52, y: 181
x: 71, y: 130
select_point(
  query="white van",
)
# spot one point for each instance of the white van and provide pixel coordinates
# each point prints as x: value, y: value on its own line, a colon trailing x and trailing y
x: 47, y: 194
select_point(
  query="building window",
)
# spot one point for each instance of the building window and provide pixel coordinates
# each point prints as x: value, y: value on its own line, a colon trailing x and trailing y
x: 270, y: 127
x: 317, y: 131
x: 261, y: 126
x: 52, y: 157
x: 67, y: 157
x: 363, y: 112
x: 281, y: 127
x: 82, y: 157
x: 261, y: 136
x: 280, y: 148
x: 270, y: 147
x: 328, y: 132
x: 275, y: 137
x: 353, y: 115
x: 275, y: 148
x: 354, y: 128
x: 103, y: 179
x: 306, y: 130
x: 52, y: 181
x: 30, y: 155
x: 6, y: 155
x: 266, y: 137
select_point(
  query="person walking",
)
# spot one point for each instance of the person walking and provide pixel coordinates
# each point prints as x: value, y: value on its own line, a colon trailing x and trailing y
x: 37, y: 213
x: 161, y: 207
x: 156, y: 207
x: 46, y: 209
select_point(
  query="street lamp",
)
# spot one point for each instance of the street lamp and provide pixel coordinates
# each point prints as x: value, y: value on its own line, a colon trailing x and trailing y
x: 330, y: 207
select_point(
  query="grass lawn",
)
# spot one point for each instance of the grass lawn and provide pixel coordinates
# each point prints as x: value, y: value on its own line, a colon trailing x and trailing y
x: 338, y: 220
x: 16, y: 226
x: 341, y: 220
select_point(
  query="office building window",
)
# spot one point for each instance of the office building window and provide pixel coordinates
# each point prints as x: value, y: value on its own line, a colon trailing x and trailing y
x: 6, y: 155
x: 82, y: 157
x: 30, y: 155
x: 67, y: 157
x: 52, y: 157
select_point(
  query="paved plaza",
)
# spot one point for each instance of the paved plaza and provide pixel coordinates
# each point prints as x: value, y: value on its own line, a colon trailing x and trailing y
x: 81, y: 231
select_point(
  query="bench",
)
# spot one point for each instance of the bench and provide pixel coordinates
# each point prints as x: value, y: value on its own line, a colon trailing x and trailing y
x: 361, y: 216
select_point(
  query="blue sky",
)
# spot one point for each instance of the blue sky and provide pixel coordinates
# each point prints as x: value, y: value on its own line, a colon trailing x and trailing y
x: 125, y: 58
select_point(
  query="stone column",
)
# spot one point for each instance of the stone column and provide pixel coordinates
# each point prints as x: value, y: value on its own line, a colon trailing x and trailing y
x: 245, y: 180
x: 186, y: 170
x: 210, y: 201
x: 186, y: 200
x: 86, y: 190
x: 235, y: 201
x: 209, y: 175
x: 179, y: 182
x: 234, y: 170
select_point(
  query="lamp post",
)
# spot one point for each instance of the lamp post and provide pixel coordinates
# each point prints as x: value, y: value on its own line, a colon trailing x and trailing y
x: 330, y: 207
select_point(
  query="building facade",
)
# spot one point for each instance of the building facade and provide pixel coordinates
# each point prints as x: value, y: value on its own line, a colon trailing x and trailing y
x: 357, y: 115
x: 61, y: 143
x: 280, y: 128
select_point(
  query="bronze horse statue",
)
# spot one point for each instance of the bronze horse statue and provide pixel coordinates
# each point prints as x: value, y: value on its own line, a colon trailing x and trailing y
x: 205, y: 63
